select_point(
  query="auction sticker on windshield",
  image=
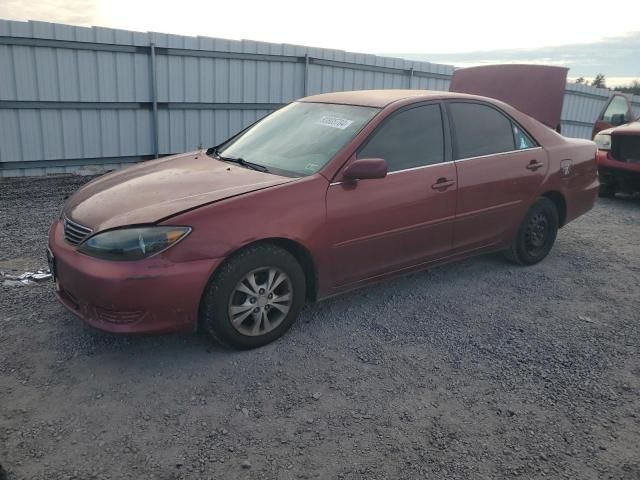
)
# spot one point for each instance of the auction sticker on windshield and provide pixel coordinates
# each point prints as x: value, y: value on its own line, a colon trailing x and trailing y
x: 334, y: 122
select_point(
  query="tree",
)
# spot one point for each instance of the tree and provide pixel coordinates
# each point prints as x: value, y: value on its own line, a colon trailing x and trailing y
x: 580, y: 80
x: 599, y: 81
x: 633, y: 88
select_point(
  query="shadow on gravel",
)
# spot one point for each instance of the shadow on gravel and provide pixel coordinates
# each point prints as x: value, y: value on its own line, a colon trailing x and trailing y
x: 346, y: 313
x: 77, y: 340
x: 621, y: 199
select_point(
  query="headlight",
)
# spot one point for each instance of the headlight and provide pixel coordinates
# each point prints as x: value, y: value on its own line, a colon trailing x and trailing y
x: 603, y: 141
x: 132, y: 243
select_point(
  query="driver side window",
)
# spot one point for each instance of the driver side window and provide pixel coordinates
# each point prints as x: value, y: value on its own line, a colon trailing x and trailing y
x: 616, y: 110
x: 408, y: 139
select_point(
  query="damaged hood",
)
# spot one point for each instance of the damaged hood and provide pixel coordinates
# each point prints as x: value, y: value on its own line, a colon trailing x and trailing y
x: 537, y: 90
x: 151, y: 191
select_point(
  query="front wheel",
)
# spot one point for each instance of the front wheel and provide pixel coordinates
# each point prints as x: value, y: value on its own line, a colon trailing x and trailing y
x: 254, y: 297
x: 536, y: 234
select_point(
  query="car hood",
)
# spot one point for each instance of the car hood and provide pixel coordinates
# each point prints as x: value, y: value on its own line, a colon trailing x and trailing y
x: 537, y: 90
x: 154, y: 190
x: 632, y: 128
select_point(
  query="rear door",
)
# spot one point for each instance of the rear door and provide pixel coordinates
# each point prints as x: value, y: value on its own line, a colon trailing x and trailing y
x: 378, y: 226
x: 500, y: 168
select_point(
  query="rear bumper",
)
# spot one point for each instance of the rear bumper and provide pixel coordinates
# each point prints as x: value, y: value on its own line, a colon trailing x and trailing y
x: 580, y: 193
x: 153, y: 295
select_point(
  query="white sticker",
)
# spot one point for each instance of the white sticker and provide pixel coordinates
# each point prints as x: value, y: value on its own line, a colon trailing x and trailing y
x: 334, y: 122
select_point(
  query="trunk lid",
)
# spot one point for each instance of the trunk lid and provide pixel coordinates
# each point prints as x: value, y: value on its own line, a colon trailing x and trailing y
x: 537, y: 90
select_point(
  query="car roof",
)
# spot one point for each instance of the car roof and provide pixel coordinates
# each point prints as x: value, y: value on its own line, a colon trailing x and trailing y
x: 380, y: 98
x: 383, y: 98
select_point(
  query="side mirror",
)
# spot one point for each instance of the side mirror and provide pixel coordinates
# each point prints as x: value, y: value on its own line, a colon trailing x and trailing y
x: 366, y: 168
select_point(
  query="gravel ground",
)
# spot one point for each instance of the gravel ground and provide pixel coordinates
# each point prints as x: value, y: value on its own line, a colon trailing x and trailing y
x: 475, y: 370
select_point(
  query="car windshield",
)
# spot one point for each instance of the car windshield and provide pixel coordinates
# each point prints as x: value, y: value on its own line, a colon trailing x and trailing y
x: 299, y: 139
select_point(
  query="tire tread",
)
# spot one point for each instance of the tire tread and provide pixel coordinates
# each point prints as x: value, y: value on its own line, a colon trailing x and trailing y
x: 226, y: 272
x: 513, y: 253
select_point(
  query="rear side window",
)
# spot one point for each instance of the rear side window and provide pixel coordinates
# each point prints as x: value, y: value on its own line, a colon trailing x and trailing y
x: 410, y: 138
x: 481, y: 130
x: 522, y: 139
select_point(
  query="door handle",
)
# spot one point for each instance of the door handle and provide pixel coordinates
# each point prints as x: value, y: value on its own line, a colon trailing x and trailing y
x: 534, y: 165
x: 443, y: 183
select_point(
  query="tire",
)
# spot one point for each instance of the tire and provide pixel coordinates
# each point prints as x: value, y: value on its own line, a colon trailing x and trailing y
x: 536, y: 234
x: 607, y: 190
x: 244, y: 302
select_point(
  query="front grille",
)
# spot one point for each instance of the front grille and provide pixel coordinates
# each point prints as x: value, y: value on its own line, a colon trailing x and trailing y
x: 74, y: 233
x: 626, y: 148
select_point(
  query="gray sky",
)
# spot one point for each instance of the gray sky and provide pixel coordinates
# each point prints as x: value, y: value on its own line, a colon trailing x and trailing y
x: 617, y: 57
x: 440, y: 29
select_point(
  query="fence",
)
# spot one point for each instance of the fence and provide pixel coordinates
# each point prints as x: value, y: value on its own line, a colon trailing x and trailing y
x: 75, y: 97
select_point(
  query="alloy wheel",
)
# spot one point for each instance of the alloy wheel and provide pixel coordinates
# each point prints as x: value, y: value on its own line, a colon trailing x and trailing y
x: 260, y: 301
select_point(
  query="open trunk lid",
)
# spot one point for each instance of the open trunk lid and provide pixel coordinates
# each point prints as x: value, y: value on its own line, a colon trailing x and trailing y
x: 537, y: 90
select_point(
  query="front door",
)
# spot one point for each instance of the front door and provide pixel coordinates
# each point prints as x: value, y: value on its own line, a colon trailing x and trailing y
x: 379, y: 226
x: 616, y: 112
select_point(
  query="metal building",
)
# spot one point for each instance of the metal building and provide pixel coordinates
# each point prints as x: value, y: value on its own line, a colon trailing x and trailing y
x: 72, y: 98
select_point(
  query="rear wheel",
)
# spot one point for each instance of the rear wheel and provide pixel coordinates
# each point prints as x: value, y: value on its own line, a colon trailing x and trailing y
x: 536, y: 233
x: 254, y: 297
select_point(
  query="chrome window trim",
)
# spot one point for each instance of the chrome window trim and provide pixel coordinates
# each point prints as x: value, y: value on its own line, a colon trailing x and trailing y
x: 452, y: 161
x: 499, y: 153
x: 404, y: 170
x: 420, y: 167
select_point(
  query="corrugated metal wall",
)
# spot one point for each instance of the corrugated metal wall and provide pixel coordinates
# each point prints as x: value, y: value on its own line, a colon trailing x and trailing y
x: 581, y: 107
x: 75, y: 97
x: 72, y: 97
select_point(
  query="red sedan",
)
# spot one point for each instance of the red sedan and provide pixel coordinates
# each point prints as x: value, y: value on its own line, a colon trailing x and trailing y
x: 327, y: 194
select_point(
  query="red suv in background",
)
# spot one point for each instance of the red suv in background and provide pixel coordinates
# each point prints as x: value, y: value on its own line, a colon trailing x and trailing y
x: 618, y: 138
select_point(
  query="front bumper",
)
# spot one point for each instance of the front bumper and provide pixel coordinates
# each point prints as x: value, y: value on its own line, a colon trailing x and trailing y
x: 623, y: 174
x: 153, y: 295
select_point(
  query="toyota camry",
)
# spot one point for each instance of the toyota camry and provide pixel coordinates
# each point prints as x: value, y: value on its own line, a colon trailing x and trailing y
x: 329, y: 193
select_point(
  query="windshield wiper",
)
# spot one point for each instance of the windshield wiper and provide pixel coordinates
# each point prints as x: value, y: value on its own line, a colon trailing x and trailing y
x: 241, y: 161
